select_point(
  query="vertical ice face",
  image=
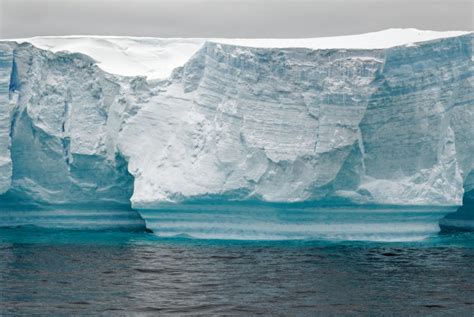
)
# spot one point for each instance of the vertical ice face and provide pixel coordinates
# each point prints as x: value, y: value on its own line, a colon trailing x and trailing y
x: 274, y: 124
x: 417, y: 123
x: 463, y: 218
x: 6, y: 64
x: 58, y: 134
x: 377, y: 126
x: 54, y: 118
x: 386, y: 125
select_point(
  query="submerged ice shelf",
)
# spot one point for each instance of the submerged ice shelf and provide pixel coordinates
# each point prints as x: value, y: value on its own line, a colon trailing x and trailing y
x: 68, y: 217
x: 264, y: 221
x: 377, y: 119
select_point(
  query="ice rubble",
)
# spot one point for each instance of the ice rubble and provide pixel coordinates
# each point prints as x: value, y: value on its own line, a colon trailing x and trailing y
x: 380, y: 118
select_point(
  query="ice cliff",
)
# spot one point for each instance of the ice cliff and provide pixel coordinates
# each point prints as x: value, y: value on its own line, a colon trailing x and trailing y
x: 382, y: 118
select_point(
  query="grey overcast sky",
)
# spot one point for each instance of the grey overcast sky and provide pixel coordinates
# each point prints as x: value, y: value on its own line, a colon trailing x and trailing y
x: 228, y: 18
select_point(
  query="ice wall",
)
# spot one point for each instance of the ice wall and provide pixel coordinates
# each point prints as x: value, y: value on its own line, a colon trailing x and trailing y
x: 54, y: 119
x: 250, y: 122
x: 368, y: 126
x: 417, y: 124
x: 58, y: 132
x: 388, y: 125
x: 463, y: 218
x: 6, y: 64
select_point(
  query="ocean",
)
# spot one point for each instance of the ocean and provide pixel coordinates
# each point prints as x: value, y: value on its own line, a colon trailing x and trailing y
x: 55, y: 272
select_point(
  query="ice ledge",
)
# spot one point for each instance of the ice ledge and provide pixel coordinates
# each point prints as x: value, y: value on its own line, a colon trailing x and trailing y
x: 157, y: 57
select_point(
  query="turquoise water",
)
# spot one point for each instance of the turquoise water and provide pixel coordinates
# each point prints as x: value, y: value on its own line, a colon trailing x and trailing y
x: 244, y: 220
x: 295, y: 221
x: 70, y: 272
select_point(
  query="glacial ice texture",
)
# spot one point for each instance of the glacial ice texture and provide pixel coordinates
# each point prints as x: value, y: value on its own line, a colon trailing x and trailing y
x: 389, y: 125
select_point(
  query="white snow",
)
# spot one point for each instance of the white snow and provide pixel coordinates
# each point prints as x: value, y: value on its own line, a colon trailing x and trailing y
x: 157, y: 57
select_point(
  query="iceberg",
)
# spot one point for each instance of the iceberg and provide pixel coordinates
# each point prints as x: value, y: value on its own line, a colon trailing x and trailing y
x: 382, y: 118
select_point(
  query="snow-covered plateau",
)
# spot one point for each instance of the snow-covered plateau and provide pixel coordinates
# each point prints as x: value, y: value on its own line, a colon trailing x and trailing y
x: 384, y: 118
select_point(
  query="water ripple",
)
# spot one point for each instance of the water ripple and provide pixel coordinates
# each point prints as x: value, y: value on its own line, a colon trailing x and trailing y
x: 134, y: 276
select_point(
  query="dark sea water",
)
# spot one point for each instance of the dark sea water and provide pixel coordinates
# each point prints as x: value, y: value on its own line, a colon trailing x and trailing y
x: 54, y: 272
